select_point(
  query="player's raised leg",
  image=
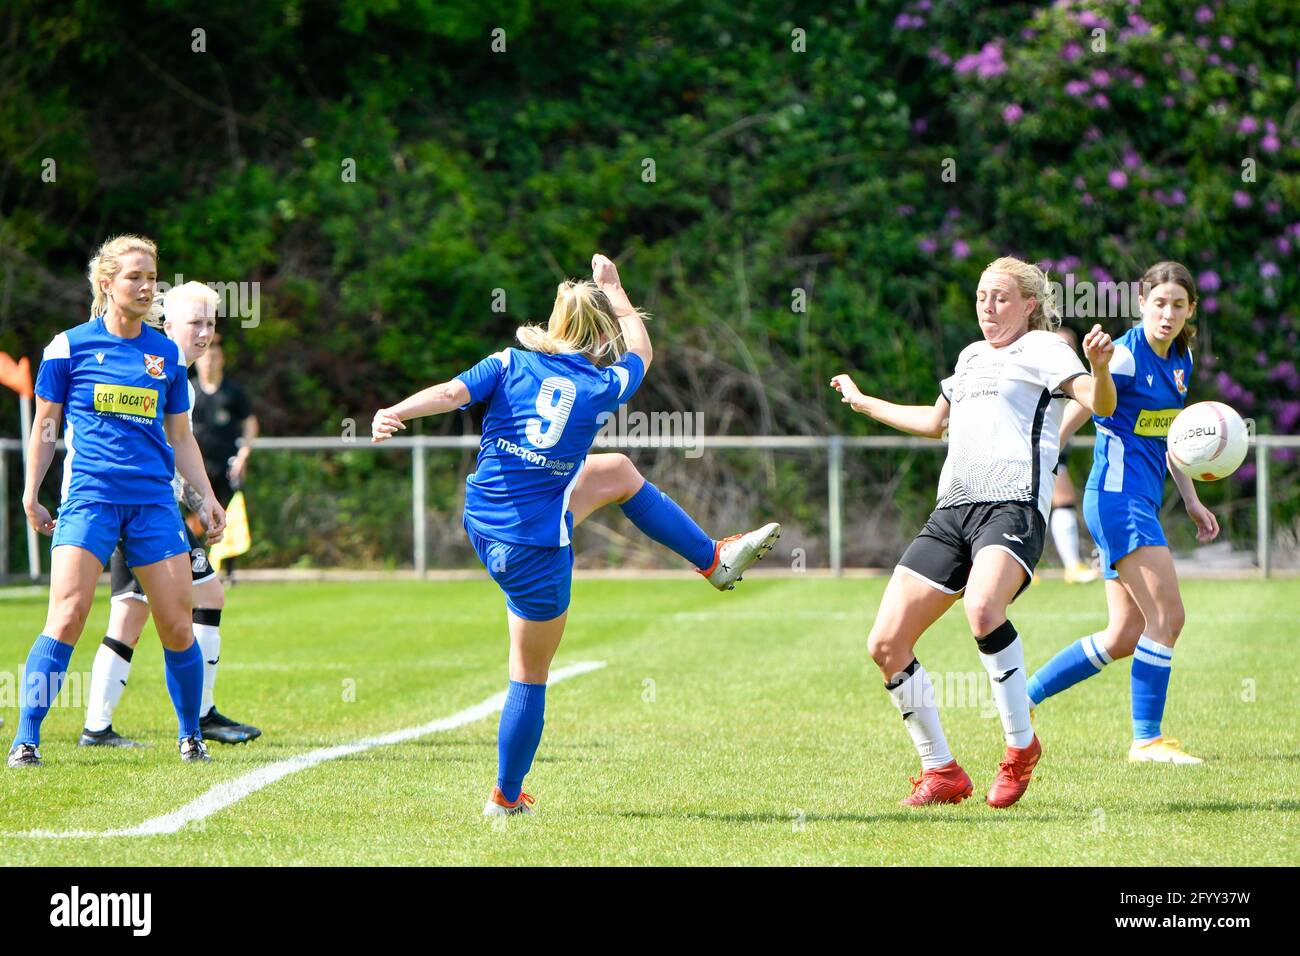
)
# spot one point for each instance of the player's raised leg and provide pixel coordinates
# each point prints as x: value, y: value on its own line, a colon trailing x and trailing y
x: 167, y: 583
x: 73, y: 574
x: 612, y: 478
x: 908, y: 607
x: 996, y: 577
x: 1148, y: 574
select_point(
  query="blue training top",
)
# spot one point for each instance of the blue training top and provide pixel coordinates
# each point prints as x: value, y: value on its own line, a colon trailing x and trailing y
x: 543, y: 414
x: 115, y: 393
x: 1129, y: 456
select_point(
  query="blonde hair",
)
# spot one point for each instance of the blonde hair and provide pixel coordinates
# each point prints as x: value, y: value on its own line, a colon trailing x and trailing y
x: 106, y: 264
x: 177, y: 305
x: 1033, y: 284
x: 582, y: 320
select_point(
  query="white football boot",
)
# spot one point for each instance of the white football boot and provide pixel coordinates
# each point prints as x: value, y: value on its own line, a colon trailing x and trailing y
x: 732, y: 556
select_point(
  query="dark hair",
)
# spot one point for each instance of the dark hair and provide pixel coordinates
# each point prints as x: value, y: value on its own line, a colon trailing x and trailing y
x: 1175, y: 272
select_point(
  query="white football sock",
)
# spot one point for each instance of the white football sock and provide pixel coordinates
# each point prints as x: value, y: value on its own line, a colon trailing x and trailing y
x: 208, y: 637
x: 108, y: 677
x: 1065, y: 534
x: 1006, y: 669
x: 914, y: 697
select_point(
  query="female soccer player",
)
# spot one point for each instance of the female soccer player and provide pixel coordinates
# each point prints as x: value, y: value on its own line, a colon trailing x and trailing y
x: 122, y: 385
x: 535, y: 482
x: 190, y: 320
x: 1003, y: 404
x: 1064, y: 520
x: 1121, y: 503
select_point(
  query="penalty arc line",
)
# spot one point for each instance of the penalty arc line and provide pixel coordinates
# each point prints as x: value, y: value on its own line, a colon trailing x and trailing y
x: 232, y: 791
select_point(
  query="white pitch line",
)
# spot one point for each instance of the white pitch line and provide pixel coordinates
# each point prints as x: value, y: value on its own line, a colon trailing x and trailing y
x: 232, y: 791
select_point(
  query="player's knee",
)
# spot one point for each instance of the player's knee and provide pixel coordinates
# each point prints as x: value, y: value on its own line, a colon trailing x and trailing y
x: 1122, y: 641
x: 1174, y: 619
x: 885, y: 649
x: 175, y: 626
x: 210, y: 595
x: 984, y: 615
x: 66, y: 618
x: 625, y: 475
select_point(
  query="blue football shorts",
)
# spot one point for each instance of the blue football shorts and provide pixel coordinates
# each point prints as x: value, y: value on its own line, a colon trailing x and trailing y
x: 1120, y: 524
x: 148, y: 533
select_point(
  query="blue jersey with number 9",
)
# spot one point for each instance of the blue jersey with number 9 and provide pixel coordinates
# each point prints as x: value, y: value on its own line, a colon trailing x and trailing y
x: 543, y: 414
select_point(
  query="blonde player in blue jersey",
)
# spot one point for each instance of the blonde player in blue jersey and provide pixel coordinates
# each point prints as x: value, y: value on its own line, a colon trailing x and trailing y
x: 1152, y: 369
x: 188, y: 317
x: 535, y: 482
x: 121, y: 387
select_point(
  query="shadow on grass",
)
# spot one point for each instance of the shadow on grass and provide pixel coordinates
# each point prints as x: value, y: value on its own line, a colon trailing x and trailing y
x: 918, y: 815
x: 1240, y: 806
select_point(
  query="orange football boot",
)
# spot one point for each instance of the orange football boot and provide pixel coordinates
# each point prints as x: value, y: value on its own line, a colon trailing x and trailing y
x: 946, y: 784
x: 499, y: 806
x: 1013, y: 774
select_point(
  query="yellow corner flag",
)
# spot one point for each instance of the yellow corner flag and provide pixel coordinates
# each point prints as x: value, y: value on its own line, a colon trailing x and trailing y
x: 236, y: 540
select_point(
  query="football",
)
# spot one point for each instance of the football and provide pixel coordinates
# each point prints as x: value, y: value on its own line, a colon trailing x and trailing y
x: 1208, y: 441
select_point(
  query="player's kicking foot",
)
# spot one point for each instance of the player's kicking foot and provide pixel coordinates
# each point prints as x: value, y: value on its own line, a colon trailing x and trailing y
x: 217, y: 726
x: 1160, y: 750
x: 499, y: 806
x: 1014, y: 771
x: 108, y: 737
x: 732, y: 556
x: 946, y: 784
x: 1081, y: 574
x: 24, y: 755
x: 194, y: 750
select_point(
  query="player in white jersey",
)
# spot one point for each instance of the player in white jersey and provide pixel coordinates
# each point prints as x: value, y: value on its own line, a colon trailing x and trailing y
x: 535, y: 481
x: 189, y: 317
x: 1003, y: 406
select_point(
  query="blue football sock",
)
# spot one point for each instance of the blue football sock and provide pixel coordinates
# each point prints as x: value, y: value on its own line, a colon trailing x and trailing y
x: 47, y: 665
x: 518, y: 736
x: 661, y: 519
x: 1150, y: 684
x: 1073, y: 663
x: 185, y: 685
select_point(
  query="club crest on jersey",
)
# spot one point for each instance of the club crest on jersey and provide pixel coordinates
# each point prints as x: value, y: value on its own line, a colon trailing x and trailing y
x: 1178, y: 381
x: 153, y: 364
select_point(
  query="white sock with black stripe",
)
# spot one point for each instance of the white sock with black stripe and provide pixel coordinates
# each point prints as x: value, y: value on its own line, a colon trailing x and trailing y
x: 1003, y: 656
x: 913, y: 694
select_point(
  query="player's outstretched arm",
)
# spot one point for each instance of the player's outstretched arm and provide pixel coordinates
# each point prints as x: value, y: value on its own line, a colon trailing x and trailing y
x: 434, y: 400
x: 635, y: 337
x: 40, y: 452
x: 925, y: 420
x: 189, y: 462
x: 1095, y: 392
x: 1207, y: 526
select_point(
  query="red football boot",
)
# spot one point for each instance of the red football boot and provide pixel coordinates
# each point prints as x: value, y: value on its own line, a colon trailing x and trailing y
x: 1013, y: 774
x: 946, y: 784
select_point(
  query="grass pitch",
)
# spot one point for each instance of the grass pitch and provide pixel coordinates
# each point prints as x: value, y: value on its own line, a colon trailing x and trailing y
x: 745, y: 728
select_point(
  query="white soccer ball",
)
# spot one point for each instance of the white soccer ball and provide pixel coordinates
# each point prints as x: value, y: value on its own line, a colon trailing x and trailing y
x: 1208, y: 441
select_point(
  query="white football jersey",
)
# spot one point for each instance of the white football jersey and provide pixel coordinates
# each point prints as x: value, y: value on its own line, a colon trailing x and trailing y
x: 1003, y: 431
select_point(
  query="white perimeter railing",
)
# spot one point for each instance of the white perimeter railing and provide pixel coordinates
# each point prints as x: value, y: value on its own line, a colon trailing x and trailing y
x: 833, y: 445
